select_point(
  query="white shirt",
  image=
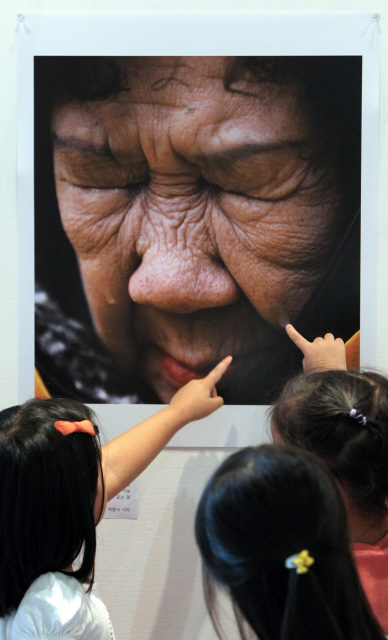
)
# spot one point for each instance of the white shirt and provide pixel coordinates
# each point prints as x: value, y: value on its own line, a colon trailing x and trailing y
x: 56, y: 606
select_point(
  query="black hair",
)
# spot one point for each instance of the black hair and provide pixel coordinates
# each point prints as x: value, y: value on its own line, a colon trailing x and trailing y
x: 262, y: 506
x: 48, y: 488
x: 313, y: 412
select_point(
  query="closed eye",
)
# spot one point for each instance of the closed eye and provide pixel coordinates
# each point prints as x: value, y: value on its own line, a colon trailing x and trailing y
x: 88, y: 167
x: 116, y: 187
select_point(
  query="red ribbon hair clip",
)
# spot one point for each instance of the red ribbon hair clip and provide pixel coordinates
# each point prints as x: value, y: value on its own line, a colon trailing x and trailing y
x: 83, y: 426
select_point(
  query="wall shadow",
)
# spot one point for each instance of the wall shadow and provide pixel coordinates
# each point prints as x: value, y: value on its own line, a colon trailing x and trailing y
x: 181, y: 611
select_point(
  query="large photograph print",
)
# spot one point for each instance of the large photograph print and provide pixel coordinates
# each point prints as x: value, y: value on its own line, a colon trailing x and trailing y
x: 187, y: 208
x: 189, y: 183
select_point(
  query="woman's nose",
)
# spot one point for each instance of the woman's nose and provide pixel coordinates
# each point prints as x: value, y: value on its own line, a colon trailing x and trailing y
x: 179, y: 281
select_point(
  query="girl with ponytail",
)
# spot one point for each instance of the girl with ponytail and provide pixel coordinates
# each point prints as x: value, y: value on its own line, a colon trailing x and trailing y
x: 341, y: 416
x: 271, y: 528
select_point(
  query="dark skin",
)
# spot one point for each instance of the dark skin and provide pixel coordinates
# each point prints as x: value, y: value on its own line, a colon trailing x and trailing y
x: 200, y: 217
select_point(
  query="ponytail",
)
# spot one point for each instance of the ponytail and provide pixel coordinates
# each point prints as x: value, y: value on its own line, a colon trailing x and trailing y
x: 307, y: 612
x: 259, y: 510
x: 342, y: 417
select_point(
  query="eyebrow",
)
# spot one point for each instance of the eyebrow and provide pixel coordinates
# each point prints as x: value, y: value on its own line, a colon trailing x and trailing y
x: 87, y: 148
x: 242, y: 151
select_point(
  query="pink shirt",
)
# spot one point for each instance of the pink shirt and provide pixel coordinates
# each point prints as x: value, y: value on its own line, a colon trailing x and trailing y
x: 372, y: 565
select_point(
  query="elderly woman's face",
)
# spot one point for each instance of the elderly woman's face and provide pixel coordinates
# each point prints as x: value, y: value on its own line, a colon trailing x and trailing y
x: 199, y: 215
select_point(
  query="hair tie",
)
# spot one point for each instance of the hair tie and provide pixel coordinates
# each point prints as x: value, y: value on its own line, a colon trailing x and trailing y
x: 83, y: 426
x: 301, y: 562
x: 361, y: 419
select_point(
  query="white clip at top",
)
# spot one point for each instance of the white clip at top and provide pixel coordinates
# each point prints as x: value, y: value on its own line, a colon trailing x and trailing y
x: 374, y: 23
x: 376, y: 20
x: 21, y: 19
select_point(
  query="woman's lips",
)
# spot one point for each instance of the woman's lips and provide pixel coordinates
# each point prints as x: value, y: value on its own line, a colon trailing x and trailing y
x: 164, y: 366
x: 173, y: 371
x: 176, y: 372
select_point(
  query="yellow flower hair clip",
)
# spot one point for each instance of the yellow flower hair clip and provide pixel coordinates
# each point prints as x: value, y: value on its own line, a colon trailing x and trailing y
x: 300, y: 561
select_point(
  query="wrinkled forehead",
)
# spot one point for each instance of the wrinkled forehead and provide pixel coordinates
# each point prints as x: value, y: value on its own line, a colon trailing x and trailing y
x: 171, y: 74
x: 177, y: 80
x: 199, y: 104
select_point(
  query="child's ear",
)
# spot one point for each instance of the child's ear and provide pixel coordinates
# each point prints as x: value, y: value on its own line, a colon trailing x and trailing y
x: 276, y: 437
x: 348, y: 502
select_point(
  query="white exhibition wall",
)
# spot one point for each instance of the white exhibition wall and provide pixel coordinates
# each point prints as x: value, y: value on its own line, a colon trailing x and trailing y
x: 148, y: 570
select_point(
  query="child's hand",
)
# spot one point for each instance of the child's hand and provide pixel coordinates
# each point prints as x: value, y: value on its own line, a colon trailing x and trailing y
x: 322, y: 354
x: 125, y: 457
x: 198, y: 398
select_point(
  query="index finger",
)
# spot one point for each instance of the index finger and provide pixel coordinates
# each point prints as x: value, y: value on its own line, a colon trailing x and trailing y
x: 216, y: 374
x: 296, y: 337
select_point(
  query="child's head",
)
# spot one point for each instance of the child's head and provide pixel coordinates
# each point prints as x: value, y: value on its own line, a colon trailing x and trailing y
x: 48, y: 488
x: 262, y: 506
x: 315, y: 412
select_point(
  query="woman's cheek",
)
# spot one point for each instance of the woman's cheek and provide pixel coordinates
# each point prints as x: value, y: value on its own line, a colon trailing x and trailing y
x: 274, y: 251
x: 93, y: 219
x: 100, y: 226
x: 277, y: 294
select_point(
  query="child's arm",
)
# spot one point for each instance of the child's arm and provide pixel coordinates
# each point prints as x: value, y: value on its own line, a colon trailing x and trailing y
x: 322, y: 354
x: 125, y: 457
